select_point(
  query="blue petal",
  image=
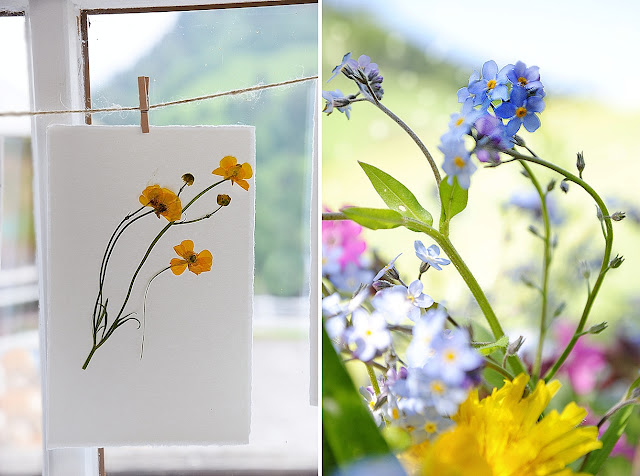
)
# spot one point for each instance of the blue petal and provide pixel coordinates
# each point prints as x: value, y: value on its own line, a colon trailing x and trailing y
x: 463, y: 94
x: 513, y: 126
x: 500, y: 92
x: 504, y: 72
x: 518, y: 95
x: 489, y: 70
x: 505, y: 110
x: 535, y: 104
x: 478, y: 87
x: 531, y: 122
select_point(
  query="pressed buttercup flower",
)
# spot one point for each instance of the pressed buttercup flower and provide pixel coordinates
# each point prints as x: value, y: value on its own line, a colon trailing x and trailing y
x: 196, y: 262
x: 163, y: 201
x: 502, y: 435
x: 230, y: 169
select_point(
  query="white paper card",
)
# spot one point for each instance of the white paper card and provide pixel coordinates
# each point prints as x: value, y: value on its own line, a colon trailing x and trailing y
x: 192, y: 384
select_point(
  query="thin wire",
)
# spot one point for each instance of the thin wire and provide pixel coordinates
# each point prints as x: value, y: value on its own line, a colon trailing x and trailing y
x: 233, y: 92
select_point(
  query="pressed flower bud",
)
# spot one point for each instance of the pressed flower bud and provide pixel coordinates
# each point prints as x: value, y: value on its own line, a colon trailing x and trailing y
x: 580, y: 163
x: 598, y: 328
x: 564, y: 186
x: 188, y: 179
x: 618, y: 216
x: 224, y: 200
x: 616, y: 262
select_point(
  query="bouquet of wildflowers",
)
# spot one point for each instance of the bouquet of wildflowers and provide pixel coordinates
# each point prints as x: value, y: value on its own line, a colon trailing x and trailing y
x: 442, y: 398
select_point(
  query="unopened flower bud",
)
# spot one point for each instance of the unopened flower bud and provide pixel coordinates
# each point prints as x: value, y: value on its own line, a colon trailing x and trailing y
x: 424, y: 267
x: 560, y: 309
x: 224, y: 200
x: 580, y: 163
x: 551, y: 185
x: 616, y: 262
x: 598, y: 328
x: 599, y: 213
x: 393, y: 273
x: 585, y: 269
x: 514, y: 346
x: 188, y: 179
x: 618, y: 216
x: 378, y: 285
x: 534, y: 230
x: 517, y: 140
x: 564, y: 186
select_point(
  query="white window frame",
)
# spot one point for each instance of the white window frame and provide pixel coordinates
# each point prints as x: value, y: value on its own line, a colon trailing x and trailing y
x: 56, y: 71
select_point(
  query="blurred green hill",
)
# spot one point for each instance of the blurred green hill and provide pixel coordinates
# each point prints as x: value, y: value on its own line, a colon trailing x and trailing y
x: 219, y: 50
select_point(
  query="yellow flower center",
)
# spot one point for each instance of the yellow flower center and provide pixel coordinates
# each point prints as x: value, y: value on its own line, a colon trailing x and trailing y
x: 369, y: 332
x: 459, y: 121
x: 430, y: 427
x: 395, y: 414
x: 459, y: 162
x: 522, y: 81
x: 521, y: 112
x: 491, y: 84
x: 372, y: 404
x: 450, y: 356
x: 438, y: 387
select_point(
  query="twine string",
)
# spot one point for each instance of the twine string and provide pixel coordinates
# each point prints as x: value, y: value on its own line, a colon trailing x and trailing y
x: 232, y: 92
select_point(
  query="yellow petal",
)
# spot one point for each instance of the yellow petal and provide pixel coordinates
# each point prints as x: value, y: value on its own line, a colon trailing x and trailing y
x: 228, y: 162
x: 178, y: 266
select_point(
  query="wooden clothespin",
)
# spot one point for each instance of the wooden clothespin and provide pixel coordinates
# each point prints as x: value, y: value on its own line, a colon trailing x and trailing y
x: 143, y: 91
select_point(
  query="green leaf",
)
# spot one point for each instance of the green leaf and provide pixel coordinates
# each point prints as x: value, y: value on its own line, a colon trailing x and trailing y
x: 617, y: 424
x: 374, y: 218
x: 454, y: 197
x: 348, y: 428
x: 487, y: 349
x: 395, y: 195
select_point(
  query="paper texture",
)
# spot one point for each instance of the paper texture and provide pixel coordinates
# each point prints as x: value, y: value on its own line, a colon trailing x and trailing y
x: 192, y: 385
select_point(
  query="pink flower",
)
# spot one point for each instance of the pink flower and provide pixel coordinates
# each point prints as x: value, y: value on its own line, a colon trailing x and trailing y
x: 344, y: 234
x: 585, y: 362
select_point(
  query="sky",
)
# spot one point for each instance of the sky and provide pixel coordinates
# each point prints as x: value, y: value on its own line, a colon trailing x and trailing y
x: 586, y: 47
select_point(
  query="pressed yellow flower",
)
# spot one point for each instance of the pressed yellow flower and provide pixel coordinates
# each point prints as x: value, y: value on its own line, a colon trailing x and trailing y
x: 501, y: 435
x: 230, y: 169
x: 163, y: 201
x: 197, y: 263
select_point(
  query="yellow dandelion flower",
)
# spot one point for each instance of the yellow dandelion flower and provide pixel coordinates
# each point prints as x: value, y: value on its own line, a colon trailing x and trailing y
x: 501, y: 435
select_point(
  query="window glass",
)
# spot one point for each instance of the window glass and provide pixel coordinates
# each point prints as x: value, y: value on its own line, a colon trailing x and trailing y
x: 197, y: 53
x: 20, y: 393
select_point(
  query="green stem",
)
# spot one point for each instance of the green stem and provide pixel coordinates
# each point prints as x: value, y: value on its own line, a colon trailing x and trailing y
x: 469, y: 279
x: 416, y: 139
x: 195, y: 220
x: 546, y: 261
x: 605, y: 259
x: 374, y: 380
x: 497, y: 368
